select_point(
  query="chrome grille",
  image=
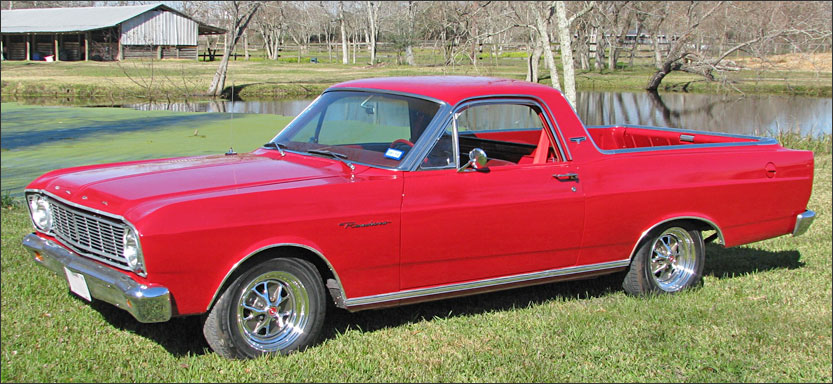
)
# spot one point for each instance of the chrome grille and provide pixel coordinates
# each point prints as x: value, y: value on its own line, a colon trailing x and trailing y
x: 89, y: 234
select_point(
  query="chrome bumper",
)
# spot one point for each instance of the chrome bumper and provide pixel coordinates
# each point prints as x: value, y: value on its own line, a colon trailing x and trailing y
x: 803, y: 221
x: 148, y: 304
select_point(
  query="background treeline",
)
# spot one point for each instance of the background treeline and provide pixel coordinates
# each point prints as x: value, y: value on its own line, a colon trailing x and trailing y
x: 701, y: 37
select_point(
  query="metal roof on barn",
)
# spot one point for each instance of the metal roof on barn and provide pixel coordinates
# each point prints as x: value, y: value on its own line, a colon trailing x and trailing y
x: 59, y: 20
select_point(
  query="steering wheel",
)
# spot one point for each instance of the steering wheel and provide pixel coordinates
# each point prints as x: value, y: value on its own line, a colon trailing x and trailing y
x: 401, y: 141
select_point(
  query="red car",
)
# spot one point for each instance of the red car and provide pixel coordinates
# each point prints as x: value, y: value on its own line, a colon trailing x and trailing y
x: 392, y: 191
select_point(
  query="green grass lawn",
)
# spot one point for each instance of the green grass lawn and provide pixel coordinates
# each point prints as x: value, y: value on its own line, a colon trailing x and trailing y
x: 102, y: 82
x: 763, y: 314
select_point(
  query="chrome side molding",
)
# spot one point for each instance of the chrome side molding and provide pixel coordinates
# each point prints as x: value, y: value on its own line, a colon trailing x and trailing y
x: 451, y: 288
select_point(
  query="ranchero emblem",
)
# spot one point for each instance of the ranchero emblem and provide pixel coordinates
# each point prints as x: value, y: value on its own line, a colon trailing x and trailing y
x: 352, y: 224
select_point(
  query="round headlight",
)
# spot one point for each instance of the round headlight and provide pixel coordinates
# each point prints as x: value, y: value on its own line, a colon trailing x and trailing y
x: 41, y: 212
x: 132, y: 253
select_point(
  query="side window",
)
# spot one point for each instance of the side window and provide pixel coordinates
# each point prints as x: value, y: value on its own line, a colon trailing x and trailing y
x: 498, y: 117
x: 510, y: 134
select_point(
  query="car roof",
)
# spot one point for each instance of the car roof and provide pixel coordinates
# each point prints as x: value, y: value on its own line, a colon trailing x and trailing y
x: 451, y: 89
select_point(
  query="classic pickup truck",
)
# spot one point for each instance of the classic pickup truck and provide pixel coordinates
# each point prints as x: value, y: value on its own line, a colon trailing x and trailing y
x: 392, y: 191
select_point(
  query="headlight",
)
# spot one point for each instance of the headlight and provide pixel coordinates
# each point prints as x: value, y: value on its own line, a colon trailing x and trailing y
x: 41, y: 212
x: 133, y: 252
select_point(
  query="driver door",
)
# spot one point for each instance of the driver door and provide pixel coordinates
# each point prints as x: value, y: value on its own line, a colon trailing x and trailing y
x: 474, y: 225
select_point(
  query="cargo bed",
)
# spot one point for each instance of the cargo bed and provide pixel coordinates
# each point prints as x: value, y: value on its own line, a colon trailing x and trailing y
x: 630, y: 138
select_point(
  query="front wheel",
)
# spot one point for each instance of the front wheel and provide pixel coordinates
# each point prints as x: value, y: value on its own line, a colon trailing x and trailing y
x: 278, y: 306
x: 670, y: 261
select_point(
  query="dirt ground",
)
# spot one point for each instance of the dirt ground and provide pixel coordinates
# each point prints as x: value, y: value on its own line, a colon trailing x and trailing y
x: 810, y: 62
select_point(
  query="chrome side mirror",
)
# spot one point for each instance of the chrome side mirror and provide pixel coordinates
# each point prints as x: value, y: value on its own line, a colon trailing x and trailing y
x: 477, y: 161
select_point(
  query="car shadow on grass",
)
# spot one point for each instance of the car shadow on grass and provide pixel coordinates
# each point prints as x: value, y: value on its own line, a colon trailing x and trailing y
x: 725, y: 263
x: 180, y: 336
x: 720, y: 263
x: 183, y: 336
x: 341, y: 321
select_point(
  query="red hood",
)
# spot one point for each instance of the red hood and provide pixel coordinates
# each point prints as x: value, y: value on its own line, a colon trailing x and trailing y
x: 115, y: 188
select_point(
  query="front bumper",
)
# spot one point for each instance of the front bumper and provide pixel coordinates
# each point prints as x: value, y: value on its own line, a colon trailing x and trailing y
x: 803, y: 221
x: 148, y: 304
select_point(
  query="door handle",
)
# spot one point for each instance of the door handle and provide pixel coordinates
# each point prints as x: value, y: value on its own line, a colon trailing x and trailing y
x: 566, y: 176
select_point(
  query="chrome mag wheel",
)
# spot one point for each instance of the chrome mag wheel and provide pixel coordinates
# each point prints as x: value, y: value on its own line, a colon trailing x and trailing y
x: 273, y: 311
x: 276, y: 306
x: 673, y: 259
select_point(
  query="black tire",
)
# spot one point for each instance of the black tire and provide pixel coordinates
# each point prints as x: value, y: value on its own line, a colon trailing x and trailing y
x: 278, y: 306
x: 670, y: 260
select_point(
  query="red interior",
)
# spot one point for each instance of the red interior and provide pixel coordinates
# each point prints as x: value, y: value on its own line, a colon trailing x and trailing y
x: 524, y: 137
x: 634, y: 137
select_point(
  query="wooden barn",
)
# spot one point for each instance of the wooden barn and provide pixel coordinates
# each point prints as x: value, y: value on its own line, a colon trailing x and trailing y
x: 100, y: 33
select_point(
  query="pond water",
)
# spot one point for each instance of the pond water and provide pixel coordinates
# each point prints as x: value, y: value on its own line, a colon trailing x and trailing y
x: 36, y: 139
x: 751, y: 115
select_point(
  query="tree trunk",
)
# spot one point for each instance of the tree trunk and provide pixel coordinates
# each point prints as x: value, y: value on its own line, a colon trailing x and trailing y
x: 670, y: 64
x: 219, y: 81
x: 344, y: 53
x: 542, y: 27
x: 635, y: 46
x: 371, y: 18
x: 246, y: 46
x: 240, y: 23
x: 599, y: 63
x: 533, y: 61
x: 612, y: 54
x: 566, y: 52
x: 409, y: 49
x: 409, y: 56
x: 367, y: 40
x: 276, y: 45
x: 583, y: 51
x: 329, y: 46
x: 657, y: 52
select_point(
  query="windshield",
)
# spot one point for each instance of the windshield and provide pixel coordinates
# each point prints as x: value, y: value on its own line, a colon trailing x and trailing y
x: 363, y: 127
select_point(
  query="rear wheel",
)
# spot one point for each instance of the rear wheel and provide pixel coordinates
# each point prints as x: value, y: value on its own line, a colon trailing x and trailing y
x: 278, y: 306
x: 671, y: 260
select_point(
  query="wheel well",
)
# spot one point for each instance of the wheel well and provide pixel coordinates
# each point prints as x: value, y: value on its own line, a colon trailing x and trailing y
x: 284, y: 251
x: 686, y: 222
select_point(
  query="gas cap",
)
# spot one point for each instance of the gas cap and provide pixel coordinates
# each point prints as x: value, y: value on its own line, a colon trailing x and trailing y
x: 770, y: 170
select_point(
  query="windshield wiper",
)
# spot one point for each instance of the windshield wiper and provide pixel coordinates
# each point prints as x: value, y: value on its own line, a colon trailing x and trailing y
x: 328, y: 153
x: 335, y: 155
x: 277, y: 146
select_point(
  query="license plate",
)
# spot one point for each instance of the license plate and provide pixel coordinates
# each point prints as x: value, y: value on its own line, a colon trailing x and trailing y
x: 78, y: 284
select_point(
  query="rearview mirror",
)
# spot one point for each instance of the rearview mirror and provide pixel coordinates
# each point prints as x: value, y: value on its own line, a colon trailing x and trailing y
x: 369, y: 108
x: 477, y: 161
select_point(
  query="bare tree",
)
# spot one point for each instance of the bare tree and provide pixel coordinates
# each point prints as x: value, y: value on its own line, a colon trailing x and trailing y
x: 680, y: 48
x: 757, y: 28
x: 537, y: 17
x: 409, y: 47
x: 654, y: 18
x: 302, y: 23
x: 617, y: 19
x: 543, y: 21
x: 343, y: 26
x: 373, y: 31
x: 270, y: 24
x: 241, y: 15
x: 452, y: 23
x: 564, y: 38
